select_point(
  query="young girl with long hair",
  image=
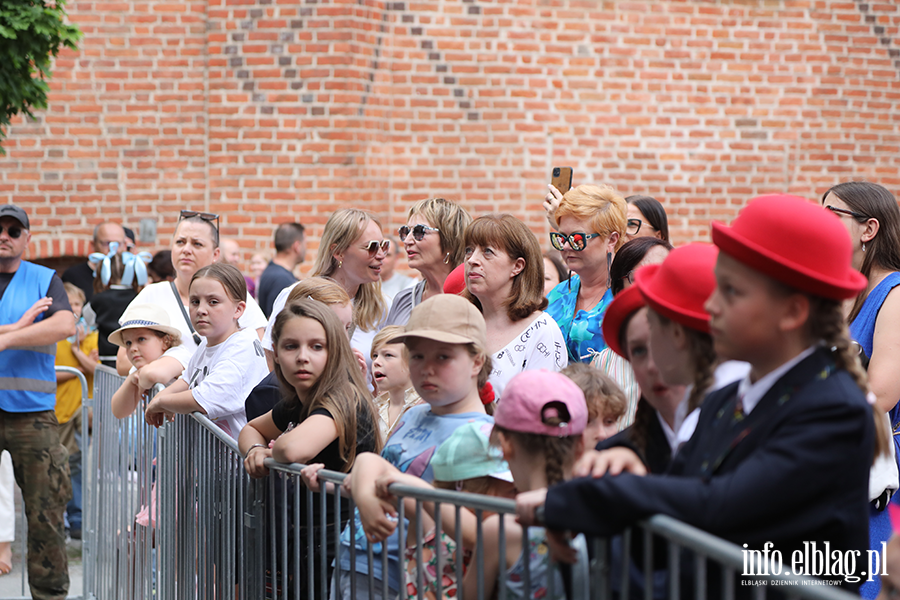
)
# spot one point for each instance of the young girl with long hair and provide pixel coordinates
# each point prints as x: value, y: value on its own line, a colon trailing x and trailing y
x: 227, y: 364
x: 325, y: 417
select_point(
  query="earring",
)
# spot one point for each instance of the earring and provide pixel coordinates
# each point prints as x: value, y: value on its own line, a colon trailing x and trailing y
x: 340, y: 264
x: 447, y: 259
x: 864, y: 246
x: 608, y: 265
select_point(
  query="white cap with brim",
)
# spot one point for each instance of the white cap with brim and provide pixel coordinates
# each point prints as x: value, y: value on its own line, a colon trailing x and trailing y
x: 143, y: 316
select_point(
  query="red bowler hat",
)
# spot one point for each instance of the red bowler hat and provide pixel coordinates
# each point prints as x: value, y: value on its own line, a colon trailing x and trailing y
x: 800, y: 244
x: 617, y: 313
x: 679, y: 286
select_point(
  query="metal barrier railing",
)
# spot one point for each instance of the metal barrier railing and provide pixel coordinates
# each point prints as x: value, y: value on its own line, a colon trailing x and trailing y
x: 219, y: 534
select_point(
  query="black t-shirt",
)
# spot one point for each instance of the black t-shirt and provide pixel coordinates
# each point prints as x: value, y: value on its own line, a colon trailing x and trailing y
x: 274, y: 279
x: 109, y: 307
x: 56, y: 291
x: 81, y: 276
x: 284, y: 414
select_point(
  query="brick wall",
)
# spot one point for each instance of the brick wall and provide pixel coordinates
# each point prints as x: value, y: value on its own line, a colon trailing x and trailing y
x: 269, y: 110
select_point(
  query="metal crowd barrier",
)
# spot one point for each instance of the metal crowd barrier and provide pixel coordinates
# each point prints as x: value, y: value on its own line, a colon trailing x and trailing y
x: 220, y: 534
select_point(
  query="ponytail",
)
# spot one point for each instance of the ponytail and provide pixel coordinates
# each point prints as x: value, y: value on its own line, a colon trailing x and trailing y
x: 558, y: 452
x: 703, y: 356
x: 826, y: 322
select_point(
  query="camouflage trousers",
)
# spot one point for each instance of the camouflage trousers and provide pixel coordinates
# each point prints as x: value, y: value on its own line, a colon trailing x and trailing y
x: 41, y: 465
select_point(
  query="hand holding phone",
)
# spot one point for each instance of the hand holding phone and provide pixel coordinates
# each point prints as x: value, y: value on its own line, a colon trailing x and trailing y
x: 560, y: 183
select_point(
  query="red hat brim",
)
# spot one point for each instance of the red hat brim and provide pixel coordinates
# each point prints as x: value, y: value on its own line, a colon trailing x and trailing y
x: 617, y: 314
x: 781, y: 269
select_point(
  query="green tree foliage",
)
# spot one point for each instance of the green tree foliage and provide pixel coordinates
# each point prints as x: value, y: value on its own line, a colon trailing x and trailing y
x: 31, y: 34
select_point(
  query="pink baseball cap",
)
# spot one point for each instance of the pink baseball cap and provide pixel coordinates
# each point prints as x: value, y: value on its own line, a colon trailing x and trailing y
x: 542, y: 402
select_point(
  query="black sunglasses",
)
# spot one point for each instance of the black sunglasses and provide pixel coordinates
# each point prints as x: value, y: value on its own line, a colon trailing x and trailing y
x: 850, y: 213
x: 577, y: 241
x: 373, y: 246
x: 14, y: 231
x: 418, y: 232
x: 208, y: 217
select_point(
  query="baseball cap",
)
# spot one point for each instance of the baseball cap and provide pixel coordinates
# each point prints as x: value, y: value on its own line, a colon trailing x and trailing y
x: 467, y: 454
x: 11, y: 210
x: 143, y: 316
x: 445, y: 318
x: 532, y: 399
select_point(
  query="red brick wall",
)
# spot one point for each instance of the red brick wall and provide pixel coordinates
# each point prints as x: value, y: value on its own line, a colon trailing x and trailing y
x: 269, y: 110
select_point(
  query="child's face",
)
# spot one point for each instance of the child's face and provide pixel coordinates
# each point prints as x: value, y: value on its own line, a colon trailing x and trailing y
x: 389, y: 369
x: 76, y: 304
x: 646, y: 374
x: 302, y: 353
x: 599, y: 429
x: 745, y: 313
x: 442, y: 374
x: 213, y: 313
x: 142, y: 346
x: 668, y: 347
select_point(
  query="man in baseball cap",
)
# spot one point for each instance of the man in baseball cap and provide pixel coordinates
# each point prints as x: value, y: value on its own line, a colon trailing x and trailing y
x: 34, y: 316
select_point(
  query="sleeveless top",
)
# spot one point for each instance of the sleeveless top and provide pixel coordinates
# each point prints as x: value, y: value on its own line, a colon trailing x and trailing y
x: 539, y: 570
x: 862, y: 329
x: 27, y: 374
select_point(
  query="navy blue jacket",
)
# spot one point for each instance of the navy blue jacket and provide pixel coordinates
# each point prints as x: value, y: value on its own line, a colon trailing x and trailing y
x: 795, y: 470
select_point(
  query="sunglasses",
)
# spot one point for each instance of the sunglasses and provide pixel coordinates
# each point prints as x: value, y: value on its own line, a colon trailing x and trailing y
x: 577, y: 241
x: 849, y: 213
x: 208, y: 217
x: 418, y: 232
x: 14, y: 231
x: 373, y: 246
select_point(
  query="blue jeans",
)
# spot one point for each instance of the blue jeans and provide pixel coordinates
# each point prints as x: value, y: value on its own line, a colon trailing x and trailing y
x: 73, y: 508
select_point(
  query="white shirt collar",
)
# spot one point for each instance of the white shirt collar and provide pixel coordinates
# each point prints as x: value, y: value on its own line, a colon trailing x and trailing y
x: 752, y: 393
x: 672, y: 433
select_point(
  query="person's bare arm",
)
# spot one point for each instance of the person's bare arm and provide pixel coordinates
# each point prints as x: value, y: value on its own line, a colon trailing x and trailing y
x: 175, y: 399
x: 45, y: 332
x: 123, y: 365
x: 260, y: 430
x: 127, y: 397
x: 162, y: 370
x: 305, y: 441
x: 87, y: 363
x: 884, y: 378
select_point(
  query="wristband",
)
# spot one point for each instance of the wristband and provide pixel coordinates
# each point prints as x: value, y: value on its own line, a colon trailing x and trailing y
x: 250, y: 449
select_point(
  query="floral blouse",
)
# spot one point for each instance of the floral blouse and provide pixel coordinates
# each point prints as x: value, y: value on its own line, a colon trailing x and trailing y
x: 581, y: 331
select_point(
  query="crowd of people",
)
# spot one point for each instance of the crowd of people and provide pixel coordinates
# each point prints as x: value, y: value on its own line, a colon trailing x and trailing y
x: 598, y: 378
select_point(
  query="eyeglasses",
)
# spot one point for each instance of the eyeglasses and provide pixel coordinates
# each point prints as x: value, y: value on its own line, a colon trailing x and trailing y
x: 418, y: 232
x: 634, y: 225
x: 14, y: 231
x: 629, y: 276
x: 208, y: 217
x: 849, y: 213
x: 373, y: 246
x: 577, y: 241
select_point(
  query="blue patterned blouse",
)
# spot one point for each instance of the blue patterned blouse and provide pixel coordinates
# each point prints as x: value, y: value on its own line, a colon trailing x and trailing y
x: 582, y: 331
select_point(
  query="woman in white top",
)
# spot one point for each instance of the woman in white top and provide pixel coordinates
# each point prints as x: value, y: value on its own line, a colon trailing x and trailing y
x: 505, y: 280
x: 195, y: 245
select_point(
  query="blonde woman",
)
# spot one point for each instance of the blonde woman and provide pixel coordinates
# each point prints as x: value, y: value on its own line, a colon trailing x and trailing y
x: 590, y: 222
x: 433, y: 238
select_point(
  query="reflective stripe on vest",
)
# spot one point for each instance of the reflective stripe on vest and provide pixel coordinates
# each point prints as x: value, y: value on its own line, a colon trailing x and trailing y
x: 27, y: 376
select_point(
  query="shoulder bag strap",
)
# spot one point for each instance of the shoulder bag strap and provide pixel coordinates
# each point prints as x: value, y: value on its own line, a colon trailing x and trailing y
x: 184, y: 314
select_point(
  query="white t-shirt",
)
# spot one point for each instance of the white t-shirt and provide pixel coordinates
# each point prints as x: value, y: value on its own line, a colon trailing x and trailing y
x: 222, y: 376
x: 541, y: 346
x: 161, y: 294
